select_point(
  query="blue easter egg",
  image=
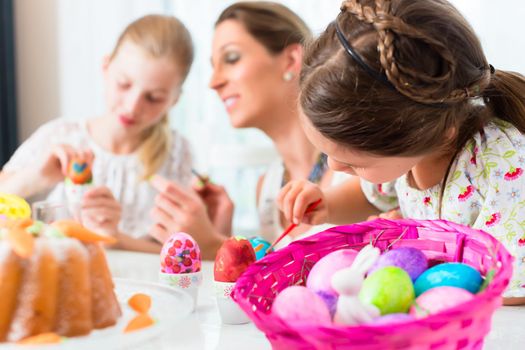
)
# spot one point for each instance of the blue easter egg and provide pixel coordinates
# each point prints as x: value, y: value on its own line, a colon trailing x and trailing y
x: 260, y: 246
x: 449, y: 274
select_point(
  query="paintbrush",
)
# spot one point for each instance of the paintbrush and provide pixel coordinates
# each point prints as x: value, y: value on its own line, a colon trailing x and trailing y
x: 289, y: 229
x: 202, y: 178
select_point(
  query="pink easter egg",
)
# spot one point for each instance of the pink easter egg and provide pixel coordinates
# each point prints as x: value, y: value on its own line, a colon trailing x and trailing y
x: 320, y: 277
x: 180, y: 254
x: 438, y: 299
x: 298, y: 304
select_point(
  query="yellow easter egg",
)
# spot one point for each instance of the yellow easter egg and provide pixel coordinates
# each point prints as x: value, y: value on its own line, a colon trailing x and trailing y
x: 14, y: 207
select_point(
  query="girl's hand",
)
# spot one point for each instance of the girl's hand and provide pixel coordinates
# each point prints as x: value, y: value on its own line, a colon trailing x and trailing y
x: 100, y: 211
x: 294, y: 199
x: 218, y: 205
x: 393, y: 214
x: 54, y: 165
x: 178, y: 209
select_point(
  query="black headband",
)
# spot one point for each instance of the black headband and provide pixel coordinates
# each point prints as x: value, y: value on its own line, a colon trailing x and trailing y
x: 381, y: 77
x: 350, y: 50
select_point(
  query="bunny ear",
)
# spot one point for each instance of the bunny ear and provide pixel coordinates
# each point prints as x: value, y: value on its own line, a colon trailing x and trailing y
x: 366, y: 258
x: 345, y: 280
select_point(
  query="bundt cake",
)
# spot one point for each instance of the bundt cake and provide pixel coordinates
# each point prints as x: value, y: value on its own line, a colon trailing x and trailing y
x: 54, y: 278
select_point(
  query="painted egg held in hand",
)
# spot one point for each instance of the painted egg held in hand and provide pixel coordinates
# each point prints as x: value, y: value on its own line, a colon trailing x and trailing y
x: 79, y: 172
x: 438, y: 299
x: 232, y: 259
x: 298, y: 304
x: 180, y: 254
x: 449, y: 274
x: 390, y: 289
x: 410, y: 259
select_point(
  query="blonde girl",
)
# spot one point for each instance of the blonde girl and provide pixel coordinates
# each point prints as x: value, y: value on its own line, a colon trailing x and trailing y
x: 128, y: 144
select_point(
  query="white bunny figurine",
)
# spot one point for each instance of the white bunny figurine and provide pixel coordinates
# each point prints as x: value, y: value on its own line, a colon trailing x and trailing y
x: 347, y: 282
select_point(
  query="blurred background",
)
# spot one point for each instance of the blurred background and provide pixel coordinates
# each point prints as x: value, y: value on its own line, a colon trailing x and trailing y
x: 58, y: 46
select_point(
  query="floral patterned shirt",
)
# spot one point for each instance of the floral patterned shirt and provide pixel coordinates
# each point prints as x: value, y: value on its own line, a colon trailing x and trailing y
x: 485, y: 190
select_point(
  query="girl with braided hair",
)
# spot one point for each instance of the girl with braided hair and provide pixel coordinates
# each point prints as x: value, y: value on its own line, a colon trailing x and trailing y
x: 400, y: 94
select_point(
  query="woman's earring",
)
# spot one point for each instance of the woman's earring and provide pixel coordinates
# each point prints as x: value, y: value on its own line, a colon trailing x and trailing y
x: 288, y: 76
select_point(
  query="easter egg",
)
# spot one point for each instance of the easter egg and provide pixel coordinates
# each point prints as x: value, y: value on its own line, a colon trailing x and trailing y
x: 449, y: 274
x: 232, y: 259
x: 180, y: 254
x: 320, y: 277
x: 390, y: 289
x: 439, y: 298
x: 79, y: 172
x: 13, y: 207
x: 260, y: 246
x: 393, y: 318
x: 298, y: 304
x: 412, y: 260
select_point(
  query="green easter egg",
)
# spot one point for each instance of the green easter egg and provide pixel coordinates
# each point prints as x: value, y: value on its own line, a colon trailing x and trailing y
x: 390, y: 289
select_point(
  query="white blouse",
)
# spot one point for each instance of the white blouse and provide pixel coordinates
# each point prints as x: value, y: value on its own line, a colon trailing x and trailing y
x: 120, y: 173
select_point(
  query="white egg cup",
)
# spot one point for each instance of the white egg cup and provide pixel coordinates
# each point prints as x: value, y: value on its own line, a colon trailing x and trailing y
x: 74, y: 195
x: 187, y: 282
x: 230, y: 312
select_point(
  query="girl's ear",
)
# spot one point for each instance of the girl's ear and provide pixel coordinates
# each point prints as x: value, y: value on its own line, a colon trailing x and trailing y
x: 293, y: 58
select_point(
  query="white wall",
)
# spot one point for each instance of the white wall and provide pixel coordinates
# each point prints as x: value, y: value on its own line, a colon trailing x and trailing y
x: 60, y: 44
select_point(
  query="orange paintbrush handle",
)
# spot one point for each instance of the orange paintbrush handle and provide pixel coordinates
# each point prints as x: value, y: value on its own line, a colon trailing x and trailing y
x: 289, y: 229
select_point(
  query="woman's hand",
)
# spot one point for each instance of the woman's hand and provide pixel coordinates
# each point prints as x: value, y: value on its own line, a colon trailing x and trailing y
x: 100, y: 211
x: 218, y: 205
x: 294, y: 199
x: 178, y: 209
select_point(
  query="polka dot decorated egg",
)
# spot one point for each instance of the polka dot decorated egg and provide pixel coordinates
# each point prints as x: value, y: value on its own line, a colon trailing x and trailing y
x: 180, y: 254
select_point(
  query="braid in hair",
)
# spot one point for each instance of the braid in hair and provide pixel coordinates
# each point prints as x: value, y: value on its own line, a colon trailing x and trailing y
x: 414, y: 84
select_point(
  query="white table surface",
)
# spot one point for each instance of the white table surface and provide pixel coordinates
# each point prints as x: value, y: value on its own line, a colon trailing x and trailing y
x: 204, y: 330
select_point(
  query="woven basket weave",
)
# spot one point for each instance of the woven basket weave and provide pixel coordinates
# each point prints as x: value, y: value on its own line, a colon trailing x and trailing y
x: 461, y: 327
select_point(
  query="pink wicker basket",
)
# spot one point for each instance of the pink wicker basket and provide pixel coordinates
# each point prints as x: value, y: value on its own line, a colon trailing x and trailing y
x: 461, y: 327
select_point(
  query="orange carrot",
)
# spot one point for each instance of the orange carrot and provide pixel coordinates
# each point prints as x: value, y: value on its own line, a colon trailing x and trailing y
x: 140, y: 303
x: 42, y: 338
x: 140, y: 321
x: 74, y: 229
x: 24, y: 223
x: 21, y: 241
